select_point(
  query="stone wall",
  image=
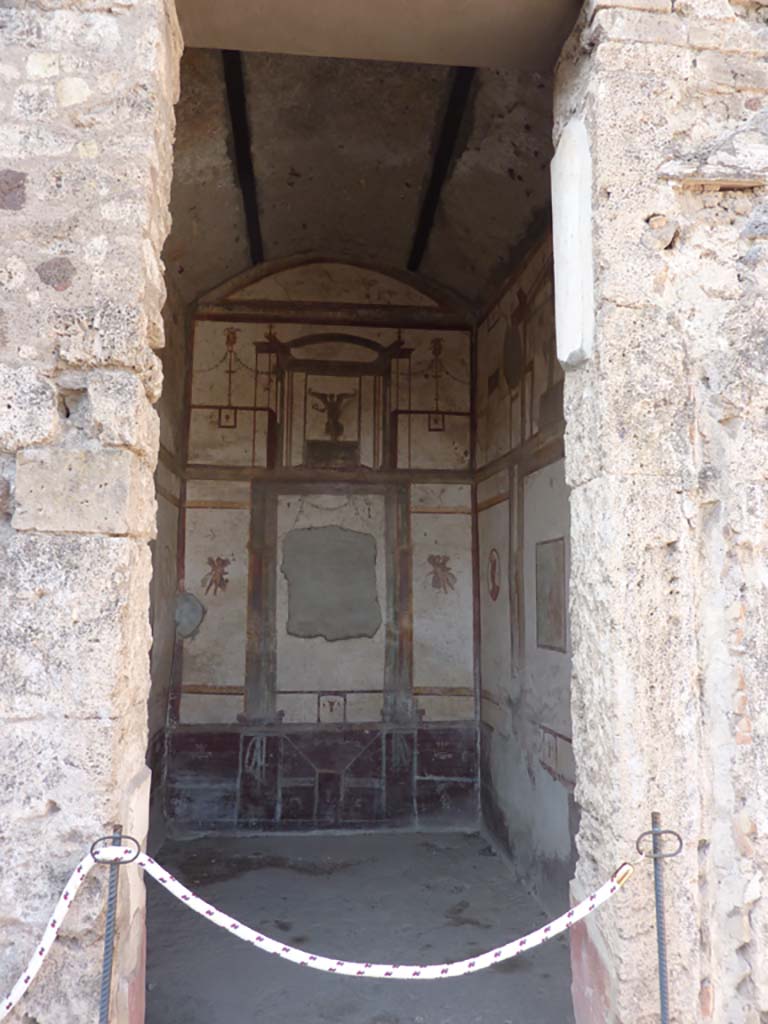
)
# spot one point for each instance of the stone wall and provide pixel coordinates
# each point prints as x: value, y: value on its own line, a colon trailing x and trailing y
x: 86, y: 94
x: 666, y: 458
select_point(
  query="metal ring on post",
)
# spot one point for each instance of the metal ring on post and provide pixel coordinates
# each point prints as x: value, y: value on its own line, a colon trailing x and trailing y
x: 650, y: 834
x: 112, y: 841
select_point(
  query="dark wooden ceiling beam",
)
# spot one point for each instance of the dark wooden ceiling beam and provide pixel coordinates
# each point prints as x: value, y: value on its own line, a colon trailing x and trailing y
x: 241, y: 144
x: 458, y: 97
x: 266, y: 311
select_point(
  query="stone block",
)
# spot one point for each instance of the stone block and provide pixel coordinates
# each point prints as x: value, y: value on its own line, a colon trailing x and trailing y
x: 634, y: 667
x: 731, y: 72
x: 643, y: 60
x: 67, y: 988
x: 739, y: 36
x: 757, y: 223
x: 75, y: 628
x: 659, y: 6
x: 33, y: 102
x: 28, y: 408
x: 42, y: 65
x: 79, y: 491
x: 71, y: 91
x: 25, y: 141
x: 13, y: 274
x: 120, y: 413
x: 646, y: 411
x: 638, y: 26
x: 109, y: 333
x: 64, y: 787
x: 20, y: 27
x: 54, y: 996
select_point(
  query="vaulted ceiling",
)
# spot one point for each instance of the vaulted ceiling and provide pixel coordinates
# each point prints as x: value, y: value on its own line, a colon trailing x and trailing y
x: 439, y: 169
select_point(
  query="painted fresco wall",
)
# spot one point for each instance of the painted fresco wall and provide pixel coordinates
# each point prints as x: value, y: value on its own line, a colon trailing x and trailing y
x: 328, y: 537
x: 317, y: 398
x: 522, y: 509
x: 169, y: 493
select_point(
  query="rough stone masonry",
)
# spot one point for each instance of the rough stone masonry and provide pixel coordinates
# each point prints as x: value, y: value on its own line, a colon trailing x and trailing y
x: 666, y: 451
x: 666, y: 455
x: 87, y: 89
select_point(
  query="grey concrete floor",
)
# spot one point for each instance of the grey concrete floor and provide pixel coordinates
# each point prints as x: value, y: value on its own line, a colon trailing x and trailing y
x: 395, y: 897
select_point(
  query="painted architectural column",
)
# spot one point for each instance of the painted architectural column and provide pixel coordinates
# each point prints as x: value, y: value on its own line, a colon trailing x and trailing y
x: 659, y: 186
x: 399, y: 704
x: 86, y: 125
x: 261, y: 640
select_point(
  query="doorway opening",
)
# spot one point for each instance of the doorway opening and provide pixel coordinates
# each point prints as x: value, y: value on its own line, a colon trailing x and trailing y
x: 360, y: 591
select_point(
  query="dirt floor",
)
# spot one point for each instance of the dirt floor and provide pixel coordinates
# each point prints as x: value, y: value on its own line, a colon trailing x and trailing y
x: 395, y: 897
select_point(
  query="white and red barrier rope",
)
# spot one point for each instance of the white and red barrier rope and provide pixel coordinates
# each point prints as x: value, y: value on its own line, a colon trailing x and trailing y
x: 402, y: 972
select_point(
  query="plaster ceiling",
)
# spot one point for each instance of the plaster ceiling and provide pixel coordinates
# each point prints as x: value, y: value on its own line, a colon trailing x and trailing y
x: 342, y: 151
x: 522, y: 34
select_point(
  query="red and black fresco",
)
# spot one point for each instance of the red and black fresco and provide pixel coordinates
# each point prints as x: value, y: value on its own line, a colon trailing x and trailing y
x: 293, y: 778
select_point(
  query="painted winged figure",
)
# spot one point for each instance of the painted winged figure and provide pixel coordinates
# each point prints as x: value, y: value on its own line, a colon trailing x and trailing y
x: 332, y: 404
x: 443, y: 577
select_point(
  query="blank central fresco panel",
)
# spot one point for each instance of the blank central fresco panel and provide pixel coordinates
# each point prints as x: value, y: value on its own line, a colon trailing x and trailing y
x: 331, y: 574
x: 331, y: 592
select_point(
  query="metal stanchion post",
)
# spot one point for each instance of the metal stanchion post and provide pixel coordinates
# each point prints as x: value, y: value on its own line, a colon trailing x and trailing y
x: 109, y: 934
x: 658, y: 855
x: 661, y: 928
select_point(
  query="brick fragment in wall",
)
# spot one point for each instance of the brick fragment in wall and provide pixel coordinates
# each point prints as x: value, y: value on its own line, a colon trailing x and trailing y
x: 28, y: 408
x: 707, y: 999
x: 13, y: 189
x: 107, y: 491
x: 57, y: 273
x: 7, y: 484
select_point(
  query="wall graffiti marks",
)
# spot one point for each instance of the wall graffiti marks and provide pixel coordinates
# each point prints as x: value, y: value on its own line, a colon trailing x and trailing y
x: 494, y: 574
x: 443, y: 577
x: 216, y: 578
